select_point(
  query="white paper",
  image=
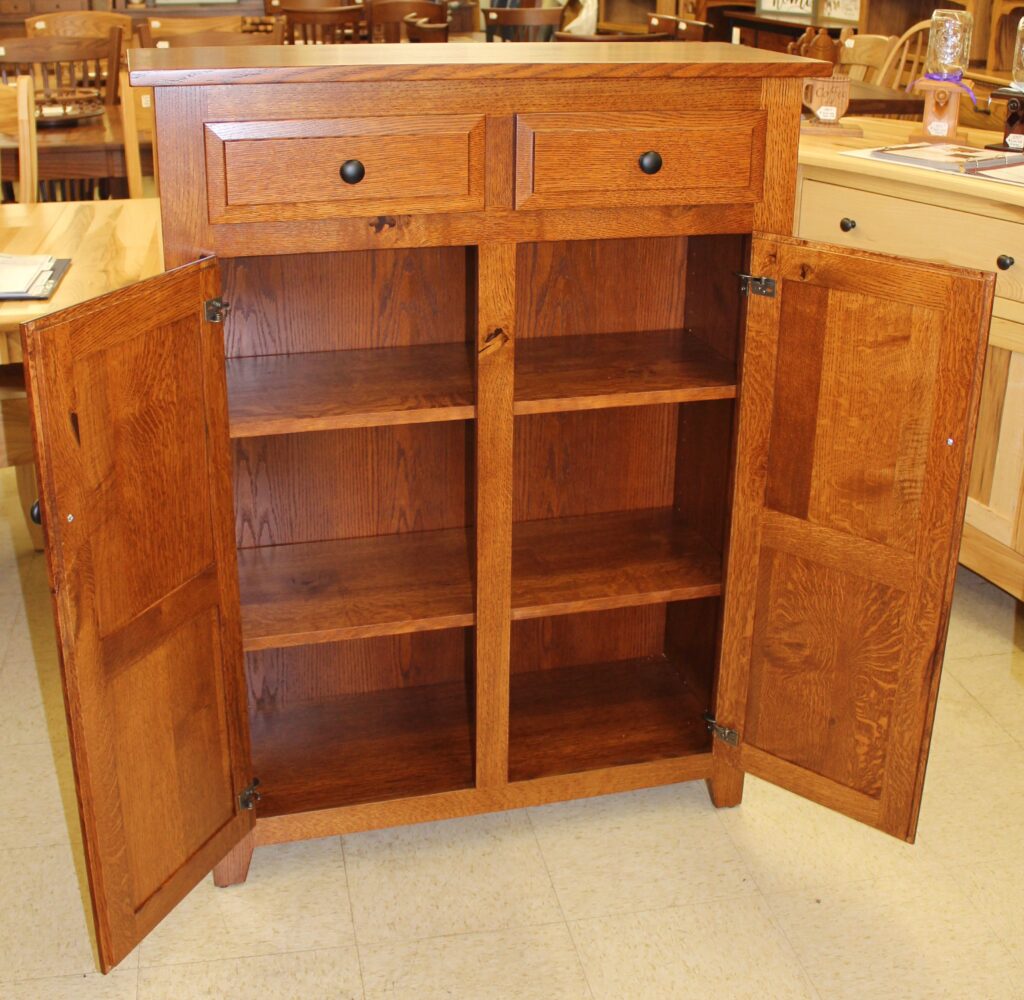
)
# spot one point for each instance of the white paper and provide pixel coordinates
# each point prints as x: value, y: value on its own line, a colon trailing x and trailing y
x: 19, y: 275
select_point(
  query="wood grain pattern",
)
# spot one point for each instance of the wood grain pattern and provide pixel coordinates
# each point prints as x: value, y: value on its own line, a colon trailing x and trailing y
x: 679, y: 60
x: 279, y: 679
x: 469, y: 802
x: 563, y: 460
x: 146, y: 399
x: 260, y: 170
x: 325, y: 390
x: 781, y: 100
x: 849, y: 647
x: 701, y: 162
x: 604, y: 715
x: 295, y: 303
x: 714, y: 312
x: 364, y: 748
x: 565, y: 565
x: 352, y: 483
x: 297, y: 594
x: 594, y: 637
x: 990, y: 422
x: 551, y: 275
x: 615, y: 370
x: 496, y: 335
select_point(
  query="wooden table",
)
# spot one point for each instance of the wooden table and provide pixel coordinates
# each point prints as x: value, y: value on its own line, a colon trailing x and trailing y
x: 953, y: 219
x: 95, y: 149
x: 111, y: 244
x: 772, y: 31
x: 873, y: 99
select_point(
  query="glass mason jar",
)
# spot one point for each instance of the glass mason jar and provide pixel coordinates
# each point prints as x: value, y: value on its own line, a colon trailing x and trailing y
x: 949, y: 45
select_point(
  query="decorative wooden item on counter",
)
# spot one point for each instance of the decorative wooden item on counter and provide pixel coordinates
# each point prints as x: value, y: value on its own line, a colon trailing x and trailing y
x: 441, y: 525
x: 941, y: 111
x: 827, y: 100
x: 1013, y: 125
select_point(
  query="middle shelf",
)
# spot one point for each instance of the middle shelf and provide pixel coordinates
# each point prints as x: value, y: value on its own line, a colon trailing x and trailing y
x: 389, y: 584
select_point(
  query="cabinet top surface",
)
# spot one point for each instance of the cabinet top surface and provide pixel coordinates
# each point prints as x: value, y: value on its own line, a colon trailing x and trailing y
x: 528, y: 60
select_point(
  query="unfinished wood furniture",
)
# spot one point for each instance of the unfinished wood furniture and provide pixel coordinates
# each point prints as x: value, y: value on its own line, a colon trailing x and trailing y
x: 18, y: 103
x: 458, y: 481
x: 81, y: 24
x: 112, y: 243
x: 873, y: 205
x: 905, y: 62
x: 861, y: 57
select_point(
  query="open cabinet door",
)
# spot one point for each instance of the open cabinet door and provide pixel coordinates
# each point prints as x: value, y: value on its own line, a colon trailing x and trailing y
x: 130, y: 421
x: 860, y: 384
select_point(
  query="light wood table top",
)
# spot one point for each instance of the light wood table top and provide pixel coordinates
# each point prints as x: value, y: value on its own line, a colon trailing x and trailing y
x: 821, y: 157
x: 110, y: 243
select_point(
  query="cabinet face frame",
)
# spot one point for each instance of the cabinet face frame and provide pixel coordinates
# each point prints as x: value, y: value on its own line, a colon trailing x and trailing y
x: 183, y: 113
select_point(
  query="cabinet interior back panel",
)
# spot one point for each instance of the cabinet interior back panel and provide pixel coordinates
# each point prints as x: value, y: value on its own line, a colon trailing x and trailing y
x: 282, y: 678
x: 598, y: 461
x: 294, y: 303
x: 352, y: 483
x: 600, y: 286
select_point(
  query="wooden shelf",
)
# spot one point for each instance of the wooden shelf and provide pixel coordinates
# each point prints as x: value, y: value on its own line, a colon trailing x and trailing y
x: 326, y: 390
x: 570, y: 564
x: 618, y: 369
x: 363, y: 748
x: 322, y: 591
x: 604, y: 715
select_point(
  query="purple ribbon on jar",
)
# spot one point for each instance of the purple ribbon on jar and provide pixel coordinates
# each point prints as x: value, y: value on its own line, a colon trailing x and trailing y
x: 956, y: 79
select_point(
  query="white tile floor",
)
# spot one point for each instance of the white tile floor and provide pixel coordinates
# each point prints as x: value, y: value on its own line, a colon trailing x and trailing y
x: 649, y: 895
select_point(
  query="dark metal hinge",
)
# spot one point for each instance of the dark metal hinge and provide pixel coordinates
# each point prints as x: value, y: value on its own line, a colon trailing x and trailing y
x: 248, y: 798
x: 216, y: 310
x: 751, y: 284
x: 722, y: 733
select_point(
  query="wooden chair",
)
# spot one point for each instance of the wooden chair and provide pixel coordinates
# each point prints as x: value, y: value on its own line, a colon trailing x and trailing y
x: 680, y: 29
x: 137, y: 117
x: 18, y: 103
x: 422, y: 30
x: 60, y: 63
x: 325, y: 25
x: 157, y: 29
x: 82, y: 24
x: 521, y: 24
x: 861, y: 57
x: 196, y: 39
x: 905, y: 63
x: 814, y: 44
x: 273, y: 8
x: 386, y: 17
x: 1001, y: 33
x: 567, y: 36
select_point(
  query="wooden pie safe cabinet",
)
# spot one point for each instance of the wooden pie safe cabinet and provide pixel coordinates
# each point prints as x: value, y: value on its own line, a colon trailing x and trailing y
x: 470, y: 474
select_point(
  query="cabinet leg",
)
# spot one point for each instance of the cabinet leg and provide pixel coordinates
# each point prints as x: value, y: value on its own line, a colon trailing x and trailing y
x: 234, y: 866
x: 28, y: 494
x: 725, y: 786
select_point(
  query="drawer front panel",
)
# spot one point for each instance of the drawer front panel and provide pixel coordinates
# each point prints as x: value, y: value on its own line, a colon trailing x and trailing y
x: 593, y: 160
x: 913, y: 229
x: 277, y: 170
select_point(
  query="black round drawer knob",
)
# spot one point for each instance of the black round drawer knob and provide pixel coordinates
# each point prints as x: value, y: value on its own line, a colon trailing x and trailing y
x: 1004, y: 262
x: 847, y: 225
x: 35, y: 513
x: 650, y: 162
x: 352, y: 171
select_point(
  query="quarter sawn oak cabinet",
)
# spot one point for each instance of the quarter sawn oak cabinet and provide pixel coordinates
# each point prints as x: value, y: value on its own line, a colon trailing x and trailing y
x: 490, y: 443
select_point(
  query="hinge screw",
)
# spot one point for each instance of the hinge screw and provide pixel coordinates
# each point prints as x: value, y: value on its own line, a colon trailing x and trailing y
x: 949, y: 442
x: 71, y: 517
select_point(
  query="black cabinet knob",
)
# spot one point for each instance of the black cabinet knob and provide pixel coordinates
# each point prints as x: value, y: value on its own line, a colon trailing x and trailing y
x: 35, y: 513
x: 352, y: 171
x: 847, y: 225
x: 650, y: 162
x: 1004, y: 262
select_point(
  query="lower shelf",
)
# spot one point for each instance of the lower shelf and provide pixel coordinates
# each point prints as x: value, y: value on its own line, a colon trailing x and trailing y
x: 603, y: 715
x: 364, y: 748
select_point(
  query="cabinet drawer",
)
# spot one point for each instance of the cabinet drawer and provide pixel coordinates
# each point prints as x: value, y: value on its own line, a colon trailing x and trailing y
x: 15, y: 7
x: 913, y: 229
x: 276, y: 170
x: 52, y: 6
x: 593, y: 160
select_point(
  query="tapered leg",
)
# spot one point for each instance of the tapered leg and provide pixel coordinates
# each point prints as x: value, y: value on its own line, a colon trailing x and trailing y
x: 725, y: 786
x: 28, y: 494
x: 234, y: 866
